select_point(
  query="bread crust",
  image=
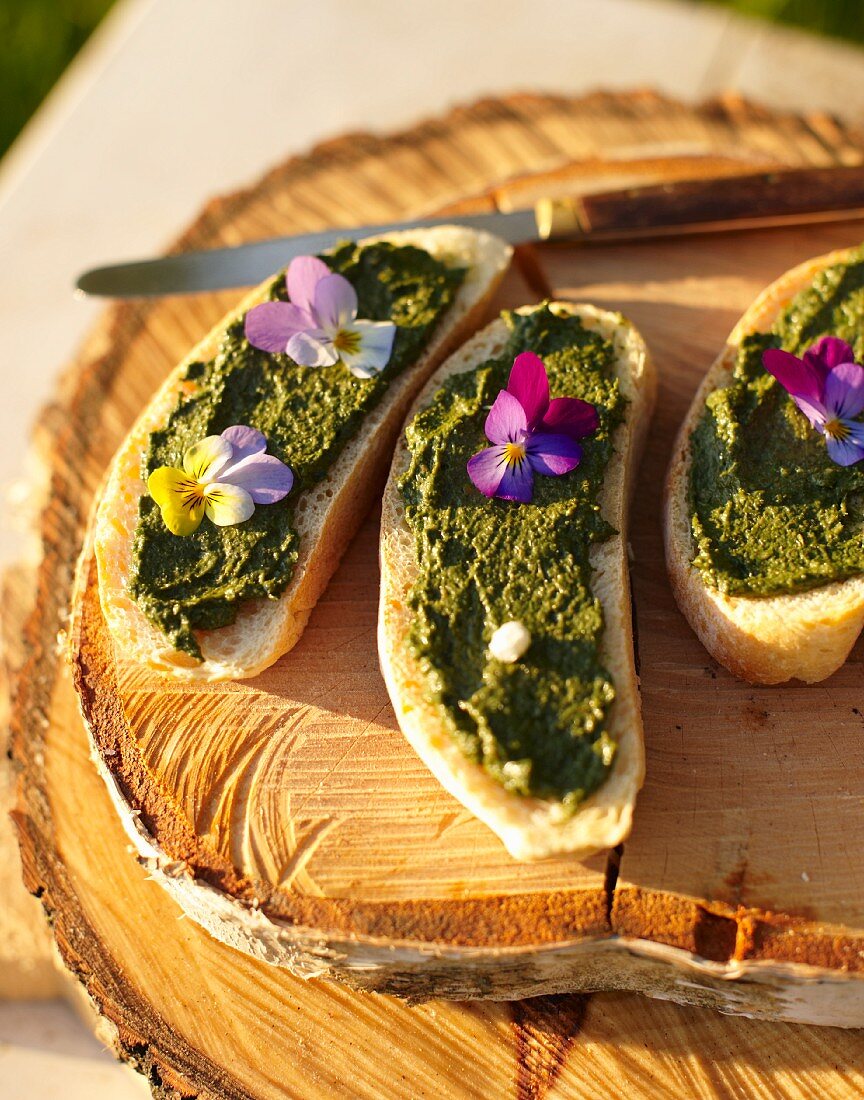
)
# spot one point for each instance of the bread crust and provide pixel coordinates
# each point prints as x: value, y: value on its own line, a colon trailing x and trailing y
x: 326, y: 516
x: 762, y: 639
x: 531, y: 828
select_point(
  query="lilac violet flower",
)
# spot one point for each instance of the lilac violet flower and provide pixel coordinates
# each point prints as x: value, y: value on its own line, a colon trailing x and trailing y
x: 529, y: 434
x: 319, y: 325
x: 223, y: 477
x: 827, y: 385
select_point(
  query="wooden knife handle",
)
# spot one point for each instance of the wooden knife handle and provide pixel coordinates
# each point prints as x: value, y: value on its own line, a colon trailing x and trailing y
x: 763, y: 195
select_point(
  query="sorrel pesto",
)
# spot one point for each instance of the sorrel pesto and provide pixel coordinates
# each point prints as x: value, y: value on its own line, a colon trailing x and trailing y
x: 538, y: 725
x: 771, y: 512
x: 307, y: 414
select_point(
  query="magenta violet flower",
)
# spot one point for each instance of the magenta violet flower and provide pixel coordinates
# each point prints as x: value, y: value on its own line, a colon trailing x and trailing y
x: 529, y: 434
x: 223, y: 477
x: 827, y: 385
x: 319, y: 326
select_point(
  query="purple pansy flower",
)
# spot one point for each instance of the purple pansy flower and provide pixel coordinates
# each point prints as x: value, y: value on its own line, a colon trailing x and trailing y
x: 223, y: 477
x: 319, y: 326
x: 827, y: 385
x: 529, y: 434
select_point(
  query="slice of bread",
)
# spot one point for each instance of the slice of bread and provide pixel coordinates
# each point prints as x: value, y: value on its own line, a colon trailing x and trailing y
x: 762, y: 639
x: 531, y: 828
x: 326, y: 516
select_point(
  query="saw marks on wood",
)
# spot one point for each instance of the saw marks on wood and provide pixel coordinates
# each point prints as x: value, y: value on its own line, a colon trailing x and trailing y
x: 754, y: 795
x: 214, y: 1023
x: 297, y: 785
x: 302, y: 783
x: 305, y: 768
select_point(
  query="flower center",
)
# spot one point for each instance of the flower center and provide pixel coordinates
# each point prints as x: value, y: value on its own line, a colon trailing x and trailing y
x: 837, y: 429
x: 192, y: 493
x: 514, y: 453
x: 347, y: 341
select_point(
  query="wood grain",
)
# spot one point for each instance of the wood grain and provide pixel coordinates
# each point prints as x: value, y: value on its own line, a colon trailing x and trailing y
x: 202, y: 1020
x: 714, y: 815
x: 761, y: 815
x: 296, y: 794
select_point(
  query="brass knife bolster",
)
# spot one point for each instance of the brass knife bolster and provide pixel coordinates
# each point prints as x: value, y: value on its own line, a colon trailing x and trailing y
x: 560, y: 218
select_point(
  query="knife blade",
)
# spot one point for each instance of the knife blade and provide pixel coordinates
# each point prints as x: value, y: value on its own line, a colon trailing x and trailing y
x: 757, y: 200
x: 248, y: 264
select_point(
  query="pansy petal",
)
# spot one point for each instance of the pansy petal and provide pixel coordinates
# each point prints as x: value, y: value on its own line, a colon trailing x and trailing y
x: 335, y: 303
x: 245, y: 441
x: 844, y: 390
x: 271, y: 325
x: 264, y: 477
x: 815, y: 411
x: 529, y: 384
x: 302, y: 277
x: 517, y: 483
x: 570, y: 416
x: 312, y: 349
x: 798, y: 378
x: 375, y: 339
x: 175, y: 492
x: 167, y: 480
x: 506, y: 422
x: 226, y: 504
x: 856, y: 431
x: 552, y: 455
x: 827, y: 353
x: 486, y: 470
x: 181, y: 519
x: 845, y: 452
x: 206, y: 458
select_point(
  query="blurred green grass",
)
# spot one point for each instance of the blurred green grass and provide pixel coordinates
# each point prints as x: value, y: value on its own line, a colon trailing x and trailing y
x: 38, y: 39
x: 835, y: 18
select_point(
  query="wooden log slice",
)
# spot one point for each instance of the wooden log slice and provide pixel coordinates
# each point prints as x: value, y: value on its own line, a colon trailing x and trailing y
x: 288, y: 815
x: 203, y: 1020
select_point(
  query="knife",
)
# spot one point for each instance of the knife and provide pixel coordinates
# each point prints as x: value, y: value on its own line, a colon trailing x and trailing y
x: 792, y: 196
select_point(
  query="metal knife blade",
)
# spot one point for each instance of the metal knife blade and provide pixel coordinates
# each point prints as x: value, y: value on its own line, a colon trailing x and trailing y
x: 248, y: 264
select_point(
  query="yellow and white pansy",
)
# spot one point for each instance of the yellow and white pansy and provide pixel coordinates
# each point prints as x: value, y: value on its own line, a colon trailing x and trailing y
x: 223, y: 478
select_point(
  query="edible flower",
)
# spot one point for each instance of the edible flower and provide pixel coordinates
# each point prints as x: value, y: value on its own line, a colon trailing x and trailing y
x: 319, y: 325
x: 827, y: 385
x: 223, y: 478
x: 529, y: 434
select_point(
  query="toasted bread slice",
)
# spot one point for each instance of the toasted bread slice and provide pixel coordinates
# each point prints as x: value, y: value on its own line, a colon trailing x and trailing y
x: 326, y: 516
x: 763, y: 639
x: 531, y: 828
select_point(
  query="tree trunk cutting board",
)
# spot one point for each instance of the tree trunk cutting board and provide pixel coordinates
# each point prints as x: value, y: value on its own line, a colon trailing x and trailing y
x: 288, y: 816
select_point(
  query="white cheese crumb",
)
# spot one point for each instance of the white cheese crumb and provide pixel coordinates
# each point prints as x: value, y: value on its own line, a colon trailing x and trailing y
x: 805, y: 877
x: 509, y: 642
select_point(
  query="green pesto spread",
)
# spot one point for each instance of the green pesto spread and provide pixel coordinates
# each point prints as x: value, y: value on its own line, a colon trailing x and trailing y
x: 307, y: 414
x: 771, y: 511
x: 538, y: 725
